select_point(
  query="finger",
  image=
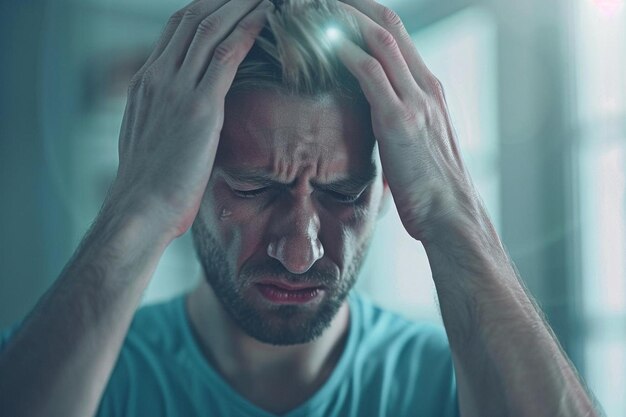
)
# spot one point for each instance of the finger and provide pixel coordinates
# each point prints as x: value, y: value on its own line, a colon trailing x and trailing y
x: 177, y: 48
x: 390, y: 20
x: 213, y: 29
x: 166, y: 35
x: 370, y: 74
x: 383, y: 45
x: 231, y: 51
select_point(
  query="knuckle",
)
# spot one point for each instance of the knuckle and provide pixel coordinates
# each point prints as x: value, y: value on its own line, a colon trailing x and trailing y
x: 147, y: 77
x: 247, y: 26
x: 389, y: 17
x: 134, y: 83
x: 370, y: 66
x: 177, y: 17
x: 436, y: 86
x: 210, y: 25
x: 385, y: 38
x: 191, y: 14
x: 142, y: 82
x: 224, y: 53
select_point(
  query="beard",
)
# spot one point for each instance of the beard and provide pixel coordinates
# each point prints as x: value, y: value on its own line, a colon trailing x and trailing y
x: 274, y: 324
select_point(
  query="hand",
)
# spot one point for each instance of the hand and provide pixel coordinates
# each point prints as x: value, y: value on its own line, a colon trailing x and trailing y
x: 175, y: 110
x: 419, y: 151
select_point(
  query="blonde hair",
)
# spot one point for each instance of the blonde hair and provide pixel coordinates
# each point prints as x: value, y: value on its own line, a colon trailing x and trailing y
x: 293, y: 53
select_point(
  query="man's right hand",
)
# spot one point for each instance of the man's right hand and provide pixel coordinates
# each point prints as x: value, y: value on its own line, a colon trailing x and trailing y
x: 175, y: 110
x: 60, y: 360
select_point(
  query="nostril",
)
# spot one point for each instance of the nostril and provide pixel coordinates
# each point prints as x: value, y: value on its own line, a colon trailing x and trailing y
x: 296, y: 256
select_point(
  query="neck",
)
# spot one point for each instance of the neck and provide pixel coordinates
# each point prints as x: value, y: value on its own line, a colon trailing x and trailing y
x: 277, y: 378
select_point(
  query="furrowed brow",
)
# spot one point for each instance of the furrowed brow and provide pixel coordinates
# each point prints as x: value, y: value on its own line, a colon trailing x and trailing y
x: 354, y: 182
x: 250, y: 175
x: 257, y: 176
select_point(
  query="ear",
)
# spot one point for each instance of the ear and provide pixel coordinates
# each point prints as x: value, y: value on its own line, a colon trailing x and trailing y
x: 386, y: 199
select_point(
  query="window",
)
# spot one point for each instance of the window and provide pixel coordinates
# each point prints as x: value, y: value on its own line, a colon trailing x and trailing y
x: 600, y: 48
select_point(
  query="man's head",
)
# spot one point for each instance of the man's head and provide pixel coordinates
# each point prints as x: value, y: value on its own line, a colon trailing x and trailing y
x: 293, y: 197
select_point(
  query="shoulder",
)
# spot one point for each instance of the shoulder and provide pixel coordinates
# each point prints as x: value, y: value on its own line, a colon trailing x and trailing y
x: 156, y: 331
x: 406, y: 363
x: 147, y: 357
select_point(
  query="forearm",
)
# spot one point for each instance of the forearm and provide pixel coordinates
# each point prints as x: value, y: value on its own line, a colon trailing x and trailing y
x: 507, y: 361
x: 58, y: 363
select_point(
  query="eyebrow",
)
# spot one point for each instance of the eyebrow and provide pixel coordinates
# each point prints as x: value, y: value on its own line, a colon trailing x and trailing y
x: 353, y: 181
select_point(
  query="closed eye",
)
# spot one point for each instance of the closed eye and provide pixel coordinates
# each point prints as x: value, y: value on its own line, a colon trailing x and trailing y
x: 343, y: 198
x: 339, y: 197
x: 250, y: 193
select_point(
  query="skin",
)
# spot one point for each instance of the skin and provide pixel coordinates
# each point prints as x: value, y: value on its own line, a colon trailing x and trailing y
x: 296, y: 217
x: 299, y: 228
x: 506, y: 359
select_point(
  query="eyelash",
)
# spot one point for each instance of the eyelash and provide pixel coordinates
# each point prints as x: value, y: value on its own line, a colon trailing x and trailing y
x: 342, y: 198
x: 249, y: 193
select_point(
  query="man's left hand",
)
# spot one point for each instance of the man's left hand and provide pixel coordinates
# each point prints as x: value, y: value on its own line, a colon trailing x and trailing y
x: 418, y: 147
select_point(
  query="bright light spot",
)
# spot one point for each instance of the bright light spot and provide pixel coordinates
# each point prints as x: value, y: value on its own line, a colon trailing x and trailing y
x: 332, y: 33
x: 609, y: 7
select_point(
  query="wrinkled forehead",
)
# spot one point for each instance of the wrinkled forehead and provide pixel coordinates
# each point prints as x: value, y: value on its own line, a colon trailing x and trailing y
x: 269, y: 129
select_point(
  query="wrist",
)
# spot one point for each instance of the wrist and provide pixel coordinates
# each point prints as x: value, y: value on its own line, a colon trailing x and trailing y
x: 448, y: 218
x: 464, y: 238
x: 131, y: 204
x: 135, y: 218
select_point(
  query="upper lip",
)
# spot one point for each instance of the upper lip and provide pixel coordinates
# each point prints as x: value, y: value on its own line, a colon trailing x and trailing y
x: 288, y: 285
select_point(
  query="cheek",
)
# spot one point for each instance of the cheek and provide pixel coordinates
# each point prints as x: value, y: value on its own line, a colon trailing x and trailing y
x: 343, y: 236
x: 237, y: 227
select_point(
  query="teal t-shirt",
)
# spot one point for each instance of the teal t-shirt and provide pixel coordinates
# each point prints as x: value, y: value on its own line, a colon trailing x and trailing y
x: 390, y: 366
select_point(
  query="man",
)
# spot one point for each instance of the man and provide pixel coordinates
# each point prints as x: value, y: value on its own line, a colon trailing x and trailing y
x: 281, y: 213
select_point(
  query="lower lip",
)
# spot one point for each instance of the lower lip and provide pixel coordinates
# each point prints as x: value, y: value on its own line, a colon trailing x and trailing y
x: 282, y: 296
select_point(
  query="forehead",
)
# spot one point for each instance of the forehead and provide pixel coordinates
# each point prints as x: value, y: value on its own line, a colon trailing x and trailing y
x: 266, y: 130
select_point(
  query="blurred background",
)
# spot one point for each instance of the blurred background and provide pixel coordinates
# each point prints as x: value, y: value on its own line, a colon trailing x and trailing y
x: 537, y: 91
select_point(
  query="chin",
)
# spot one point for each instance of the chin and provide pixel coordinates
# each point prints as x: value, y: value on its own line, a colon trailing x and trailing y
x: 286, y: 324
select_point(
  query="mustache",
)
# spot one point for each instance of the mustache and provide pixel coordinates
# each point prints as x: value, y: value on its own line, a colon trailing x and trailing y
x: 272, y: 268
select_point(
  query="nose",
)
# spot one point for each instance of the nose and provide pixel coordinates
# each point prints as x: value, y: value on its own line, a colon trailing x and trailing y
x: 295, y: 236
